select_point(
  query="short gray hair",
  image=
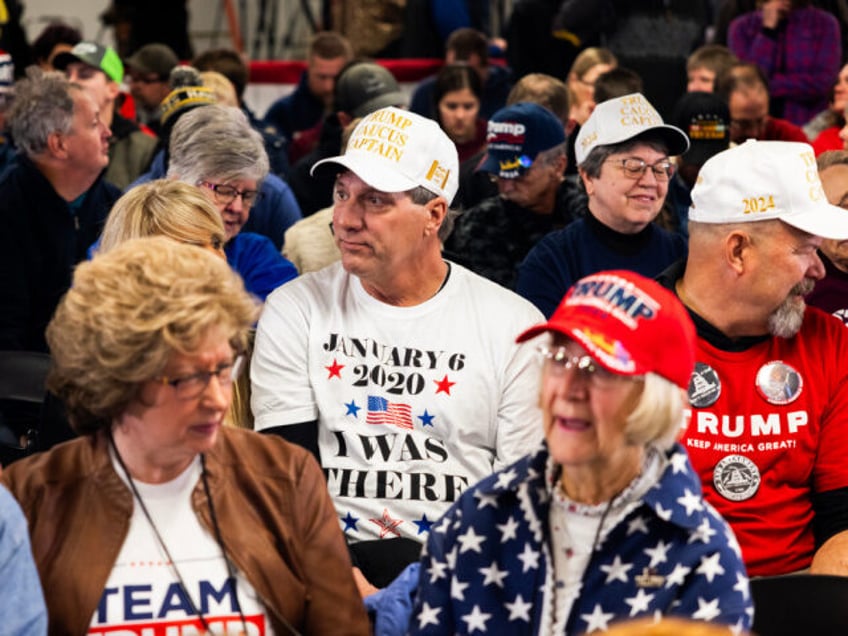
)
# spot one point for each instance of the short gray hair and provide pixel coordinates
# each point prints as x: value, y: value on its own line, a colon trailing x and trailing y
x: 218, y: 142
x: 423, y: 196
x: 551, y: 155
x: 43, y: 105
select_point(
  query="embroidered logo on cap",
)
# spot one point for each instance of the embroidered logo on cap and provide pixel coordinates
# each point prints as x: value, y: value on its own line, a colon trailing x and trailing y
x: 382, y: 133
x: 637, y: 111
x: 616, y: 296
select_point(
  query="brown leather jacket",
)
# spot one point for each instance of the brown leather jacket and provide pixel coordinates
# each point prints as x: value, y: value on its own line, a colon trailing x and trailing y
x: 276, y: 518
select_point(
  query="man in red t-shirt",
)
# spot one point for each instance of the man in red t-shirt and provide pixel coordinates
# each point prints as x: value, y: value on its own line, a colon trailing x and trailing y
x: 767, y: 426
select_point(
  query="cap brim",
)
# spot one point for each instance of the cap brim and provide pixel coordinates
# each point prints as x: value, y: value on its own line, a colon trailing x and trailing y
x: 371, y: 171
x: 675, y: 139
x: 828, y: 222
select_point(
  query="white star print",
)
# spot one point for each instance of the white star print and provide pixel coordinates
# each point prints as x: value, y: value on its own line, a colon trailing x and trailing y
x: 678, y: 463
x: 637, y: 525
x: 428, y: 616
x: 732, y: 542
x: 677, y: 576
x: 616, y: 570
x: 476, y: 619
x: 529, y: 558
x: 442, y: 526
x: 742, y: 586
x: 710, y: 567
x: 470, y: 541
x: 662, y: 513
x: 739, y: 628
x: 494, y: 575
x: 707, y: 611
x: 508, y: 529
x: 659, y: 554
x: 504, y: 479
x: 691, y: 502
x: 519, y: 609
x: 485, y: 500
x: 597, y: 620
x: 704, y: 532
x: 640, y: 602
x: 437, y: 571
x: 458, y: 589
x: 450, y: 558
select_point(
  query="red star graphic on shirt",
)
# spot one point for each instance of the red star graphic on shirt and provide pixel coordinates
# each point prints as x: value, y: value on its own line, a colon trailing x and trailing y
x: 335, y: 369
x: 387, y: 524
x: 444, y: 385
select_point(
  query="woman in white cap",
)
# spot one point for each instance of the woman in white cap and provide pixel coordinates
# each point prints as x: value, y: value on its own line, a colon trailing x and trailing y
x: 606, y: 521
x: 623, y: 158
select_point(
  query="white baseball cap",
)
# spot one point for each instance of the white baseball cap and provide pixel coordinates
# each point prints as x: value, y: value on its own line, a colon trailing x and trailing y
x: 394, y: 150
x: 623, y: 118
x: 762, y: 180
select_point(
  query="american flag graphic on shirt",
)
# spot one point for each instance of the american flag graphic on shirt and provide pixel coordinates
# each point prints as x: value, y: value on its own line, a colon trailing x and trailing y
x: 381, y: 411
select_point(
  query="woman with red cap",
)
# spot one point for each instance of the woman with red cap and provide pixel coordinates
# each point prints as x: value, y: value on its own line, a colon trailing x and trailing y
x: 607, y: 520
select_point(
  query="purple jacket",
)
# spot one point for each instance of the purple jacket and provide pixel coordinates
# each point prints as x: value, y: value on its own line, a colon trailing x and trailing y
x: 801, y: 58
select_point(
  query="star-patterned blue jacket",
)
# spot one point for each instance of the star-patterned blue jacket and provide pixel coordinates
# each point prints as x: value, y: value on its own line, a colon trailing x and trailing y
x: 488, y: 566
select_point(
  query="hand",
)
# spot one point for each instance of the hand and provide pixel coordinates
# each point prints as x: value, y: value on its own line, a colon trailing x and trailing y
x: 774, y: 11
x: 362, y: 584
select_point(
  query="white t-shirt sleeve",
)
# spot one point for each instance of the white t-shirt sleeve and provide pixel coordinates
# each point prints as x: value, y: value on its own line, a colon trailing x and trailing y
x: 519, y: 431
x: 281, y: 393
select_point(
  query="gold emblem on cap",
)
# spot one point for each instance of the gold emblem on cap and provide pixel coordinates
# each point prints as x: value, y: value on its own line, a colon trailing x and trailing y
x: 438, y: 174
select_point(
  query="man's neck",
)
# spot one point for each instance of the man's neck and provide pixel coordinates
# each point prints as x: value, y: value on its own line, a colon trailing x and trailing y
x: 67, y: 182
x: 411, y: 288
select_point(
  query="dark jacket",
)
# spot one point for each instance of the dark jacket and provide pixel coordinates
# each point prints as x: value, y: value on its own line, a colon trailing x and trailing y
x: 273, y: 510
x: 315, y: 192
x: 296, y: 111
x: 43, y: 238
x: 493, y: 237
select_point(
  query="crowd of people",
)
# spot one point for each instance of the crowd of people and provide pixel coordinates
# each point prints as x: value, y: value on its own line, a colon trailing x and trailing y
x: 529, y: 351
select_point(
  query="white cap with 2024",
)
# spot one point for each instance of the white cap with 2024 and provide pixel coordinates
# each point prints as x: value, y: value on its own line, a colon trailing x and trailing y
x: 394, y: 150
x: 762, y: 180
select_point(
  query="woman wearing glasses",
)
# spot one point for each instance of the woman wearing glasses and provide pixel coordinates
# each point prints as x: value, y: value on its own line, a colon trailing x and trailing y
x: 607, y: 521
x: 158, y: 518
x: 623, y: 157
x: 215, y: 148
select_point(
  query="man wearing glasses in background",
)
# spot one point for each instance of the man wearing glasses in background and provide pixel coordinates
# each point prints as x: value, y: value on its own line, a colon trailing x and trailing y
x: 622, y: 154
x: 148, y: 70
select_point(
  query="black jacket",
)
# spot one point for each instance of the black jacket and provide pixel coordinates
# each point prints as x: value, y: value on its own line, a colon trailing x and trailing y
x: 43, y: 238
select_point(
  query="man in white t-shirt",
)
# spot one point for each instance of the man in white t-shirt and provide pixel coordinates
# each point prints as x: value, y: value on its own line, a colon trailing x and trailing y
x: 395, y: 366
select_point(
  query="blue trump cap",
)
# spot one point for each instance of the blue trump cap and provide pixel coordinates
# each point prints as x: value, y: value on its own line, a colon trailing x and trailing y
x: 516, y: 134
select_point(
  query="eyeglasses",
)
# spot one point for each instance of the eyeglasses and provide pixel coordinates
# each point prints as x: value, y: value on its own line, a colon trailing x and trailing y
x: 560, y: 360
x: 226, y: 194
x: 636, y: 168
x: 188, y: 387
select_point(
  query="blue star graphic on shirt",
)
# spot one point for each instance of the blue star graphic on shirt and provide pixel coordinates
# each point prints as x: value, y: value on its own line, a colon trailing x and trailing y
x: 423, y: 523
x: 426, y: 419
x: 352, y: 409
x: 350, y: 522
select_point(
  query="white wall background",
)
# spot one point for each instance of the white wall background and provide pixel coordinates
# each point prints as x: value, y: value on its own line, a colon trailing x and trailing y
x: 203, y: 16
